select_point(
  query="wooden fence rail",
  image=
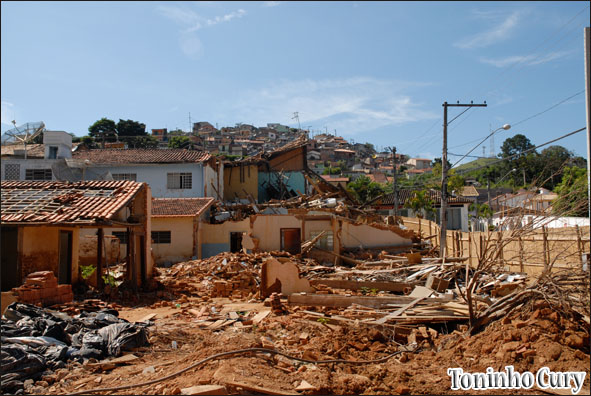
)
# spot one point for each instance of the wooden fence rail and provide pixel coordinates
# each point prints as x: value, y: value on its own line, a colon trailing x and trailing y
x: 530, y: 253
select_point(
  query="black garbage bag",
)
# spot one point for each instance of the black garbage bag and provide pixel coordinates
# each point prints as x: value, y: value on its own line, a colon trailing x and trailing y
x: 123, y: 337
x: 16, y: 359
x: 99, y: 319
x: 57, y: 330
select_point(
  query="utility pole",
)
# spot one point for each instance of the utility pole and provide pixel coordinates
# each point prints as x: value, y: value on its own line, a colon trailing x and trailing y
x: 443, y: 217
x: 190, y: 125
x: 588, y: 106
x: 395, y: 184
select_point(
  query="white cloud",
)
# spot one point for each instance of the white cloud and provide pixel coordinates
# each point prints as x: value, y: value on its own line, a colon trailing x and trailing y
x: 7, y: 112
x: 271, y: 3
x: 192, y: 22
x: 498, y: 33
x: 352, y: 106
x: 529, y: 60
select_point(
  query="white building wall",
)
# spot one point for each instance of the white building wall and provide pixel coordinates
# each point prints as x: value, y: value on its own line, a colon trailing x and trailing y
x: 30, y: 163
x: 155, y: 176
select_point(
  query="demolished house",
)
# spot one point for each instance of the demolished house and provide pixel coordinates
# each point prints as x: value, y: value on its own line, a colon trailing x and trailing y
x: 278, y: 174
x: 42, y: 225
x: 316, y: 294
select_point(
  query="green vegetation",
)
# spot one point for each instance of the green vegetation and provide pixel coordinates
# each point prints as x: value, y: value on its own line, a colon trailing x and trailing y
x: 179, y: 142
x: 572, y: 193
x: 420, y: 203
x: 365, y: 190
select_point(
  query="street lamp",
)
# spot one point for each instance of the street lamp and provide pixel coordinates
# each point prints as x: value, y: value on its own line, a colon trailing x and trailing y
x: 505, y: 127
x: 511, y: 171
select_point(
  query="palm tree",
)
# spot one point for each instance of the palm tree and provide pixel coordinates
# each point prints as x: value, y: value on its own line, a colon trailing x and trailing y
x: 421, y: 204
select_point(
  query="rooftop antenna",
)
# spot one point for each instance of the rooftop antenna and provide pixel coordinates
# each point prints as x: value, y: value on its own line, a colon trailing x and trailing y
x: 190, y: 125
x: 35, y: 127
x: 296, y: 117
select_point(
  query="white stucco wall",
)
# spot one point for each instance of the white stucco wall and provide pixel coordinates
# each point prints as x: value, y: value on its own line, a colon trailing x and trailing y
x: 30, y: 163
x: 155, y: 176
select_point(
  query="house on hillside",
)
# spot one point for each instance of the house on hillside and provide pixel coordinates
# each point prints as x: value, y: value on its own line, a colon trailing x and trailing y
x: 171, y: 173
x: 43, y: 224
x: 418, y: 163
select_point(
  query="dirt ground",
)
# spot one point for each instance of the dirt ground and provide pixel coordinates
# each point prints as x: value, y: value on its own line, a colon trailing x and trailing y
x: 534, y: 339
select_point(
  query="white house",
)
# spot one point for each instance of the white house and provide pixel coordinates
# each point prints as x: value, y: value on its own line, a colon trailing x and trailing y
x: 171, y: 173
x: 36, y: 161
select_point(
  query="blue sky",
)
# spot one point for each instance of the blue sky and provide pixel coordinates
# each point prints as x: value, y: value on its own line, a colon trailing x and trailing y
x: 373, y: 71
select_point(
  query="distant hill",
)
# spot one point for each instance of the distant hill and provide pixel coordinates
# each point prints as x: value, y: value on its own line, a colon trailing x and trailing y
x: 476, y: 163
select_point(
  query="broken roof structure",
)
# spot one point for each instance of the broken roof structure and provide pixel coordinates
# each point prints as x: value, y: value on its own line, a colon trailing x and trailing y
x: 43, y: 224
x: 81, y: 203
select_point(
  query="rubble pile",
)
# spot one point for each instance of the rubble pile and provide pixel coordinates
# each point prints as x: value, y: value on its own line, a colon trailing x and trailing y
x: 42, y: 288
x: 37, y: 341
x: 227, y: 274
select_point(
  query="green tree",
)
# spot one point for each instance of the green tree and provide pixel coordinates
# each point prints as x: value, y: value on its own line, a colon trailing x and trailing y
x: 179, y: 142
x: 515, y: 145
x: 438, y: 161
x: 140, y: 141
x: 331, y: 171
x: 455, y: 184
x: 103, y: 130
x: 527, y: 163
x: 572, y: 193
x: 88, y: 141
x: 364, y: 190
x: 420, y: 203
x: 130, y: 128
x: 551, y: 162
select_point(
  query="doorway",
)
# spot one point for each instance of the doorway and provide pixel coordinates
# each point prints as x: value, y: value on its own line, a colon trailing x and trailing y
x: 291, y: 240
x: 9, y: 258
x: 235, y: 242
x: 65, y: 258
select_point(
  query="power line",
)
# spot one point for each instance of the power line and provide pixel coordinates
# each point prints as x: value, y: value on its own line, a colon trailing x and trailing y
x: 548, y: 109
x: 452, y: 120
x: 528, y: 118
x: 523, y: 152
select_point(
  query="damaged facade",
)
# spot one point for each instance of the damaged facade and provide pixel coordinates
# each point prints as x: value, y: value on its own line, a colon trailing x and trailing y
x: 42, y: 224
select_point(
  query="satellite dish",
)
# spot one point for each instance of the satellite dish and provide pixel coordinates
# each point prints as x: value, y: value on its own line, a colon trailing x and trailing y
x: 24, y: 133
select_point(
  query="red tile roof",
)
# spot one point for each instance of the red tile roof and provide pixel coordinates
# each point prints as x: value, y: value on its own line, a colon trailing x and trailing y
x: 328, y: 178
x: 56, y: 202
x: 174, y: 207
x: 141, y: 156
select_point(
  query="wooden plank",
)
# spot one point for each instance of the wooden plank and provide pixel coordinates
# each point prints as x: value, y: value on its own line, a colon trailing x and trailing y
x: 148, y: 317
x: 260, y: 316
x: 357, y: 285
x: 401, y: 310
x: 337, y: 300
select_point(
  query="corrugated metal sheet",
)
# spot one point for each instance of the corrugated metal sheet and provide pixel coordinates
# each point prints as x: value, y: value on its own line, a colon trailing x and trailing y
x: 54, y: 202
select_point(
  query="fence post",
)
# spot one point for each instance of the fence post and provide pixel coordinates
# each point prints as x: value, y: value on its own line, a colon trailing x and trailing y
x: 520, y: 254
x: 579, y: 245
x: 470, y: 248
x: 545, y: 236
